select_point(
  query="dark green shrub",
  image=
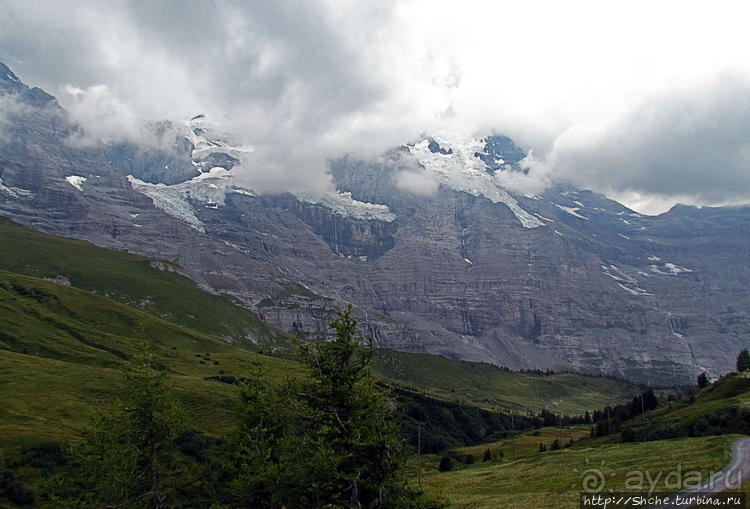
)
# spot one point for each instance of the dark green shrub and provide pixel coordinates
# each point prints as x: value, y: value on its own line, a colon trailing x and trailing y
x: 446, y: 464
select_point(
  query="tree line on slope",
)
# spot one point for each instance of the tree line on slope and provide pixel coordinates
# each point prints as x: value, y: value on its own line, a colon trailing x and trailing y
x: 715, y: 413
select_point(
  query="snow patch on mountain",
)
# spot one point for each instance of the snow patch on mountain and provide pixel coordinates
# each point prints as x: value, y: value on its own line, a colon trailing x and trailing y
x: 76, y: 181
x: 573, y: 211
x: 210, y: 190
x: 543, y: 218
x: 668, y: 269
x: 7, y: 190
x: 15, y: 192
x: 344, y: 204
x: 462, y: 170
x: 211, y: 187
x: 238, y: 190
x: 624, y: 281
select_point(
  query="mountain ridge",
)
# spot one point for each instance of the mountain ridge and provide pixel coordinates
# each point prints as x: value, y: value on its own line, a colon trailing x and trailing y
x: 584, y: 283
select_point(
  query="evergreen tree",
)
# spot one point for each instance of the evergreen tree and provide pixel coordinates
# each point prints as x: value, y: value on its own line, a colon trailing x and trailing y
x: 650, y: 401
x: 487, y: 455
x: 328, y: 440
x: 128, y: 459
x: 743, y: 361
x: 702, y: 380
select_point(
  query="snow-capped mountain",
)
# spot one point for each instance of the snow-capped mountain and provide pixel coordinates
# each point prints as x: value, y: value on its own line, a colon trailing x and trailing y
x: 207, y: 185
x: 566, y: 279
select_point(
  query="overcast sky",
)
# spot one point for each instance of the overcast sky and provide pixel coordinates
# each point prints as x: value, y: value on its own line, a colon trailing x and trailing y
x: 648, y: 102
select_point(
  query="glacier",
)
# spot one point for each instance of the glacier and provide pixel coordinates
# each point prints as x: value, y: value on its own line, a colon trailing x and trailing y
x: 344, y: 204
x: 463, y: 171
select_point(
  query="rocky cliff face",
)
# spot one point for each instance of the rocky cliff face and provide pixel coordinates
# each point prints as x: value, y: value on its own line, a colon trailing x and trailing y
x: 568, y: 279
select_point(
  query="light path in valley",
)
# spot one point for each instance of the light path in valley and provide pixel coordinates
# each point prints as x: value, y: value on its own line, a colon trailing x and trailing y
x: 729, y: 479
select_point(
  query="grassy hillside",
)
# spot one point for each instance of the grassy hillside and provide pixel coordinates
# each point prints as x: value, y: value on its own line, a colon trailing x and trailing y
x: 498, y: 389
x: 47, y: 399
x: 721, y: 407
x: 154, y: 287
x: 62, y: 348
x: 553, y: 479
x: 679, y: 442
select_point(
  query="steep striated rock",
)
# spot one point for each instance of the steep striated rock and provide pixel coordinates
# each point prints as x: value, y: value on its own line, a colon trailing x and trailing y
x: 568, y: 279
x: 345, y: 235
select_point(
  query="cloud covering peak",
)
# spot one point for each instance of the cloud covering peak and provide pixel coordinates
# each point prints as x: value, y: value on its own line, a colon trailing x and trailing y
x: 639, y: 100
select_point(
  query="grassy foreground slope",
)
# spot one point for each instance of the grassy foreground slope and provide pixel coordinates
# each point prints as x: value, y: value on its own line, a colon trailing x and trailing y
x: 61, y: 349
x: 677, y: 445
x: 554, y: 479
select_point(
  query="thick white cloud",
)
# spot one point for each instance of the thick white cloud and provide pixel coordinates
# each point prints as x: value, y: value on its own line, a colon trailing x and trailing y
x: 611, y: 95
x: 690, y: 145
x: 417, y: 182
x: 103, y: 114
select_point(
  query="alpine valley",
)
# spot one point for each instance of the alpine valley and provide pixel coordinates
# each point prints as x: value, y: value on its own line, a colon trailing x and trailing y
x: 564, y: 280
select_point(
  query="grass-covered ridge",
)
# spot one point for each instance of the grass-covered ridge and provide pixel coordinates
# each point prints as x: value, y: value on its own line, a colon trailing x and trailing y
x: 719, y: 408
x: 500, y: 389
x: 156, y: 287
x: 61, y: 349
